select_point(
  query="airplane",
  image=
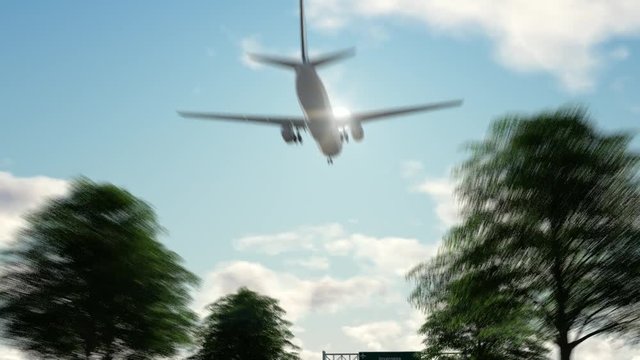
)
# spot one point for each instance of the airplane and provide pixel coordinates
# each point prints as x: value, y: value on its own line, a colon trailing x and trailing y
x: 328, y: 130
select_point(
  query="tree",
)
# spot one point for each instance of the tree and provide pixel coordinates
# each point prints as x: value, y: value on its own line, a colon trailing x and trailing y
x: 87, y: 278
x: 246, y: 326
x: 472, y: 318
x: 555, y: 205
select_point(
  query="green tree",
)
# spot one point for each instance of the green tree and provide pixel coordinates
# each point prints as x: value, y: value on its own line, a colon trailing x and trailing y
x: 474, y: 319
x: 555, y: 205
x: 87, y: 278
x: 246, y: 326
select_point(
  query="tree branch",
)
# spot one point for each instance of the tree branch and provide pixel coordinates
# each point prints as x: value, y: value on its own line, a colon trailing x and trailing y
x: 586, y: 321
x: 602, y: 330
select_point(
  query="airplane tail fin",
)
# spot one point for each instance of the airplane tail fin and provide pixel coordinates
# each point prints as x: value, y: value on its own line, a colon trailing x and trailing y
x: 323, y: 59
x: 303, y: 35
x: 294, y: 63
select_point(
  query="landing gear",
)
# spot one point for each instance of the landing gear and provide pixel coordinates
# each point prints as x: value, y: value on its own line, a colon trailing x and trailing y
x: 344, y: 136
x: 299, y: 138
x: 329, y: 161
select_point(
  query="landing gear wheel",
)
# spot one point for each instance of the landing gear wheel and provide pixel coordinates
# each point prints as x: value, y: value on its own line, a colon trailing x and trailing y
x: 299, y: 138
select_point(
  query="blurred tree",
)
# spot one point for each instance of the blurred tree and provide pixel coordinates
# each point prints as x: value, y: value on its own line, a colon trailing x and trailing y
x: 555, y: 205
x: 87, y: 279
x: 474, y: 319
x: 246, y: 326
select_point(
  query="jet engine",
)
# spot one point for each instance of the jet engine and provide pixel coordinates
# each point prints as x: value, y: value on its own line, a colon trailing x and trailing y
x: 288, y: 135
x: 356, y: 130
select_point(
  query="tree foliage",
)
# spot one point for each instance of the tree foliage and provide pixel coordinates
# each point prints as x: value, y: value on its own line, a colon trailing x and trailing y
x: 553, y: 204
x: 87, y: 278
x: 246, y: 326
x: 475, y: 319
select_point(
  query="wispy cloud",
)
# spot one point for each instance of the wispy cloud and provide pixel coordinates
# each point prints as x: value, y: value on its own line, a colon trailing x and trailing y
x: 561, y: 37
x: 312, y: 263
x: 620, y: 53
x: 411, y: 169
x: 300, y: 239
x: 333, y: 240
x: 251, y: 44
x: 442, y: 191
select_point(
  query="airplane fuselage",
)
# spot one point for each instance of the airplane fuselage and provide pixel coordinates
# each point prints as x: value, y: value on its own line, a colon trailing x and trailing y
x: 316, y: 106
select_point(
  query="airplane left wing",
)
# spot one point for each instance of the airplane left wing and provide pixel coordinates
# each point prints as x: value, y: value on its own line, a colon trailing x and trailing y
x: 296, y: 122
x: 380, y: 114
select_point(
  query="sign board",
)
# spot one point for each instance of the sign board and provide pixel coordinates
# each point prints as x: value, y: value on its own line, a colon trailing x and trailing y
x: 394, y: 355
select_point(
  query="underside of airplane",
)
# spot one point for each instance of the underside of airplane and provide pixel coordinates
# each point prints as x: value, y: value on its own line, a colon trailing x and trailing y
x: 329, y: 132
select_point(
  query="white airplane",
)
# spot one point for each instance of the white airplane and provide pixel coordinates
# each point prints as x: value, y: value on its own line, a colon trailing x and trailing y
x: 329, y: 131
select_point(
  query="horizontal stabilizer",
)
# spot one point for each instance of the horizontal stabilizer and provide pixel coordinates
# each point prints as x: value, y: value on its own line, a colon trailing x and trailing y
x: 275, y: 60
x: 333, y: 57
x: 380, y: 114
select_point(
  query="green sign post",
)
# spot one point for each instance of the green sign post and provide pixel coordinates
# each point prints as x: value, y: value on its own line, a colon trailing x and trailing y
x: 393, y: 355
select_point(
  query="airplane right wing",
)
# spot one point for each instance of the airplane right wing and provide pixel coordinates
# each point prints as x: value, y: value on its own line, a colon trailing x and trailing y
x: 296, y: 122
x: 380, y: 114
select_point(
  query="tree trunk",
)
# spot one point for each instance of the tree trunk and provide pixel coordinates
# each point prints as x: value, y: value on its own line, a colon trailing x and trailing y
x: 565, y: 352
x: 565, y: 347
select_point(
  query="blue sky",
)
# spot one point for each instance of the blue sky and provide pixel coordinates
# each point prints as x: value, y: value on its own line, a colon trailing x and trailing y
x: 91, y: 88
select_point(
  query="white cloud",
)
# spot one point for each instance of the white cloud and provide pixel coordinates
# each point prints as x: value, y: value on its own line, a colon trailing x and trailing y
x: 313, y: 263
x: 383, y: 255
x: 602, y: 348
x: 443, y: 193
x: 561, y: 37
x: 19, y: 196
x: 310, y: 354
x: 376, y: 334
x: 389, y: 335
x: 374, y: 264
x: 386, y: 255
x: 441, y: 190
x: 297, y: 296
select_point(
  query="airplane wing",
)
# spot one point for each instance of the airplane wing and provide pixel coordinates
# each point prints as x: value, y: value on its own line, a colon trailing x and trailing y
x: 380, y: 114
x: 296, y: 122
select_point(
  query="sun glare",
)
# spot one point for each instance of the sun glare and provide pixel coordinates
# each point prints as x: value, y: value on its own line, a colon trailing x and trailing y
x: 341, y: 112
